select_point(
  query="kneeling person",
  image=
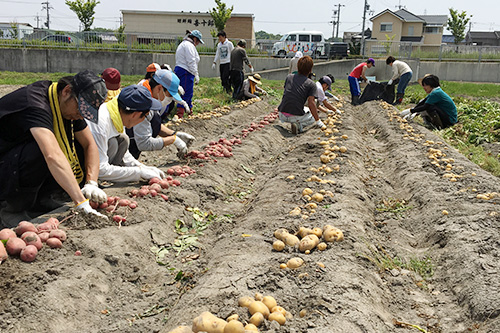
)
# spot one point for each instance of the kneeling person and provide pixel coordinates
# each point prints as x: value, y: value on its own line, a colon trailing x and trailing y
x: 250, y: 88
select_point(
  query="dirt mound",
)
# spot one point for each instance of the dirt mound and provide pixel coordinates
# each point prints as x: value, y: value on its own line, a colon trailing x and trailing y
x: 390, y: 192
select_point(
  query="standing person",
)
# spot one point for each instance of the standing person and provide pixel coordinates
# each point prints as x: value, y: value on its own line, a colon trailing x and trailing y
x: 358, y: 74
x: 238, y: 56
x: 324, y: 84
x: 186, y: 68
x: 438, y: 109
x: 151, y: 134
x: 293, y: 63
x: 299, y: 89
x: 112, y: 78
x: 401, y: 71
x: 125, y: 111
x: 223, y: 53
x: 250, y: 88
x: 41, y: 127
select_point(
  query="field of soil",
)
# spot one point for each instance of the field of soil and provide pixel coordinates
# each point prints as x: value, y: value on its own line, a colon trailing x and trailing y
x: 117, y: 285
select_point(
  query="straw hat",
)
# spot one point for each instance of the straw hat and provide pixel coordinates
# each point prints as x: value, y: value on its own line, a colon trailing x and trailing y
x: 255, y: 78
x: 420, y: 80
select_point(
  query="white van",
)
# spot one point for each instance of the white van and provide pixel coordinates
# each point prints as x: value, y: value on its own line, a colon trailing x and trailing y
x: 311, y: 43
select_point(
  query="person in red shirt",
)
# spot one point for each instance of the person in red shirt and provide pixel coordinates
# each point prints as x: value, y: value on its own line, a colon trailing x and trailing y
x: 358, y: 74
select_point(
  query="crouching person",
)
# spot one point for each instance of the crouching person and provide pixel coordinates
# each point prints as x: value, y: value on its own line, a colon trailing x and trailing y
x: 250, y: 88
x: 125, y: 111
x: 437, y: 110
x: 299, y: 89
x: 46, y: 146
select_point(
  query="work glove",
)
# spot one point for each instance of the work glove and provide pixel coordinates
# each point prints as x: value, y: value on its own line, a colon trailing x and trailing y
x: 196, y: 79
x: 181, y: 91
x: 187, y: 138
x: 92, y: 191
x: 320, y: 124
x: 84, y: 206
x: 251, y: 69
x: 147, y: 172
x: 410, y: 116
x: 213, y: 66
x: 185, y: 105
x: 181, y: 147
x: 389, y: 83
x: 405, y: 112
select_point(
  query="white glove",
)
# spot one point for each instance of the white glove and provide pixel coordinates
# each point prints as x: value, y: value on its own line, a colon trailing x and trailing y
x: 320, y: 124
x: 181, y: 90
x: 84, y: 206
x: 410, y: 116
x: 181, y: 147
x: 187, y: 138
x: 148, y: 172
x: 213, y: 66
x: 196, y: 79
x: 390, y: 82
x: 185, y: 105
x: 92, y: 191
x: 405, y: 113
x: 251, y: 69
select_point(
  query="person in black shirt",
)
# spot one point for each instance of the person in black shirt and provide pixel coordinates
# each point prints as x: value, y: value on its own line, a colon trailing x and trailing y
x: 41, y: 130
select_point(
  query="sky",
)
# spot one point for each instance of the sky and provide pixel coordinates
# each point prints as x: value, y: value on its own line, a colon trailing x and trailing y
x: 272, y: 16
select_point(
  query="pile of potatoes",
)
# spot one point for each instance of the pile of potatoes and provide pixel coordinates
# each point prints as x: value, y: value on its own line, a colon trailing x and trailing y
x: 306, y: 239
x: 260, y: 308
x: 248, y: 102
x: 488, y: 196
x: 27, y: 239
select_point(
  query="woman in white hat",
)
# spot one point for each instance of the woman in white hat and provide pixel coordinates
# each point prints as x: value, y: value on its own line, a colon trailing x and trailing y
x: 250, y: 88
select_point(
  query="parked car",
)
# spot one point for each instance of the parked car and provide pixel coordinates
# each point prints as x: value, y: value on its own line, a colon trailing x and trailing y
x: 311, y: 43
x: 58, y: 39
x: 337, y: 50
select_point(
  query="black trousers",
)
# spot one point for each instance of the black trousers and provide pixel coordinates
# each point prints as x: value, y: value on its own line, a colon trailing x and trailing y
x: 237, y: 78
x: 224, y: 77
x: 434, y: 115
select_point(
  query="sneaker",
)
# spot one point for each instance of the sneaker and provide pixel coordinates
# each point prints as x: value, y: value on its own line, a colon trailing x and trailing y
x: 294, y: 128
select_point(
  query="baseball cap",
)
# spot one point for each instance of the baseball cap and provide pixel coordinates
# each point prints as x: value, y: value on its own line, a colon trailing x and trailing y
x: 138, y: 98
x: 197, y: 34
x: 152, y: 67
x: 112, y: 78
x: 371, y: 60
x: 242, y: 43
x: 328, y: 82
x: 90, y: 92
x: 170, y: 81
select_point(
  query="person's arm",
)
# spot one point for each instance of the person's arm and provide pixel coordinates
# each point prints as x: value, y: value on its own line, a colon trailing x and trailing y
x: 217, y: 53
x: 192, y: 60
x: 328, y: 105
x: 245, y: 59
x: 311, y: 103
x: 85, y: 138
x: 363, y: 73
x: 57, y: 163
x: 421, y: 106
x: 143, y: 136
x: 395, y: 72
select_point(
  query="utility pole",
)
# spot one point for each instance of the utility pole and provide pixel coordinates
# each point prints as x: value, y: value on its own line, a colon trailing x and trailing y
x: 333, y: 22
x: 400, y: 5
x: 338, y: 19
x: 365, y: 8
x: 48, y: 8
x: 37, y: 19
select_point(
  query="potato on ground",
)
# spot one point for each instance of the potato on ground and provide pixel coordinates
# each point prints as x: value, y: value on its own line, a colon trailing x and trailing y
x: 278, y: 246
x: 24, y: 226
x: 284, y: 236
x: 28, y: 254
x: 256, y: 319
x: 245, y: 301
x: 270, y: 302
x: 14, y: 246
x: 295, y: 263
x: 181, y: 329
x: 332, y: 234
x: 251, y: 327
x: 7, y: 233
x: 207, y: 322
x: 303, y: 232
x: 234, y: 326
x: 308, y: 243
x: 3, y: 253
x: 277, y: 316
x: 258, y: 306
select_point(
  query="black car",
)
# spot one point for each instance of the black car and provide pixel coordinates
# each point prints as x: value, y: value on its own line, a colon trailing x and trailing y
x: 58, y: 39
x: 337, y: 50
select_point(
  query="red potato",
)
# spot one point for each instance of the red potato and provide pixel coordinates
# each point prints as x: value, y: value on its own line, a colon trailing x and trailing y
x: 175, y: 182
x: 143, y: 192
x: 111, y: 200
x: 28, y: 254
x: 43, y: 236
x: 46, y: 226
x: 104, y: 205
x: 164, y: 197
x: 59, y: 234
x: 170, y: 171
x: 54, y: 243
x: 133, y: 205
x: 154, y: 181
x: 134, y: 192
x: 110, y: 209
x: 117, y: 218
x: 78, y: 253
x: 157, y: 187
x: 123, y: 202
x: 53, y: 220
x: 31, y: 238
x: 169, y: 178
x: 7, y: 233
x: 14, y: 246
x: 153, y: 193
x: 24, y: 226
x: 94, y: 205
x: 164, y: 184
x: 3, y: 253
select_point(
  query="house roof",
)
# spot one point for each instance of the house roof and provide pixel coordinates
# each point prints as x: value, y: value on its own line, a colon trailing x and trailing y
x: 484, y: 34
x: 435, y: 20
x: 406, y: 16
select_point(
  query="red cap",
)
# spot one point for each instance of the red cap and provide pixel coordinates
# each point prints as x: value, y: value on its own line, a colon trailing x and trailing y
x: 112, y: 78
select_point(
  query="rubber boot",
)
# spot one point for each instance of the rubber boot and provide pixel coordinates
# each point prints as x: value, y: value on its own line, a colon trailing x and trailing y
x: 180, y: 112
x: 399, y: 99
x: 355, y: 100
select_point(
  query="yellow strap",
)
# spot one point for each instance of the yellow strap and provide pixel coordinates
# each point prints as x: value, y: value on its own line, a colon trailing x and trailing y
x: 61, y: 135
x: 78, y: 204
x: 114, y: 113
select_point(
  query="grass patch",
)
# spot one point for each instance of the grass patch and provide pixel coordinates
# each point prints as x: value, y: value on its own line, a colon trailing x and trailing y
x: 394, y: 206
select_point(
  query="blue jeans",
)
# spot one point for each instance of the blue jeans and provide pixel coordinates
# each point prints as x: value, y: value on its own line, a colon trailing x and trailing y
x: 302, y: 121
x: 187, y: 82
x: 403, y: 82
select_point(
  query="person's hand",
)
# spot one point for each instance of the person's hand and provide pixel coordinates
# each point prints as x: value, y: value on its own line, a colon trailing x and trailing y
x: 389, y: 83
x: 196, y: 79
x: 320, y: 124
x: 187, y: 138
x: 405, y: 112
x: 213, y: 66
x: 92, y: 191
x: 410, y: 116
x: 185, y: 105
x: 181, y: 91
x: 251, y: 69
x: 181, y: 147
x: 84, y: 206
x: 148, y: 172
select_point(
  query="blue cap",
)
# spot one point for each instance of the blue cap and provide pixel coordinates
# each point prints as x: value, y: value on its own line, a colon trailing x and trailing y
x: 198, y: 35
x: 169, y: 81
x: 138, y: 98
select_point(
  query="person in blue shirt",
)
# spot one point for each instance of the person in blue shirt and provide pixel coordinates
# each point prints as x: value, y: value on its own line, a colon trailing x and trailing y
x: 438, y: 109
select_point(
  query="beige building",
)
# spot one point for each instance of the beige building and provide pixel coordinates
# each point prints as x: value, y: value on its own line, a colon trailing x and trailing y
x: 161, y: 26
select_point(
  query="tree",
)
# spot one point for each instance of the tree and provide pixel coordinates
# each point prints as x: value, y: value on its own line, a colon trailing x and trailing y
x: 265, y: 35
x: 457, y: 24
x: 220, y: 14
x: 14, y: 30
x: 388, y: 44
x: 119, y: 34
x: 84, y: 11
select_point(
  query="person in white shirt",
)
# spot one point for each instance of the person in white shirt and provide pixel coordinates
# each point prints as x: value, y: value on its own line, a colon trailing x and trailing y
x: 127, y: 110
x: 186, y: 67
x: 223, y: 54
x: 324, y: 84
x: 401, y: 71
